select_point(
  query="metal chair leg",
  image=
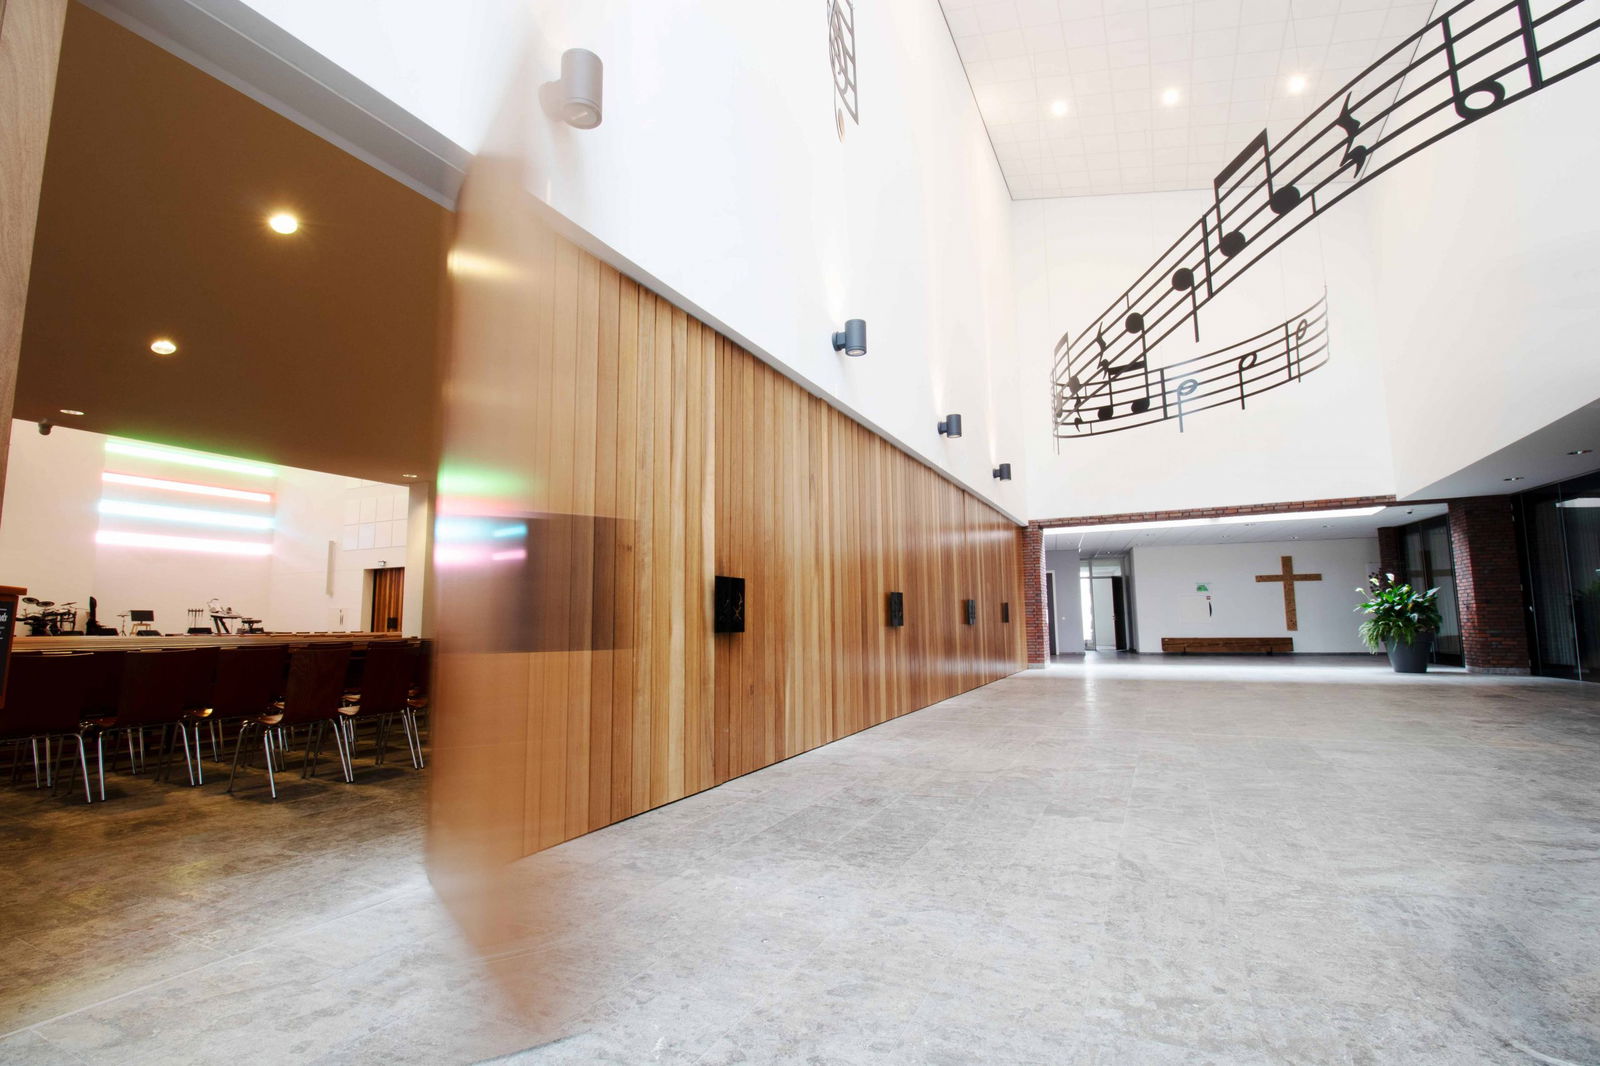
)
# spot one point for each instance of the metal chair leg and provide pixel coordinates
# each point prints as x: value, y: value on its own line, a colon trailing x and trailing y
x: 343, y: 743
x: 100, y: 759
x: 237, y: 748
x: 188, y: 764
x: 83, y: 763
x: 266, y: 744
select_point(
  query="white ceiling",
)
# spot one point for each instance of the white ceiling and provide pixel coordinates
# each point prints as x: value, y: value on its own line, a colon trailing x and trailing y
x: 1111, y: 60
x: 1324, y: 528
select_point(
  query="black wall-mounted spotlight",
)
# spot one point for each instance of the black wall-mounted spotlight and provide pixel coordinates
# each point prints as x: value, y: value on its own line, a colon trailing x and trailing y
x: 45, y: 426
x: 1003, y: 471
x: 576, y: 98
x: 853, y: 339
x: 951, y: 426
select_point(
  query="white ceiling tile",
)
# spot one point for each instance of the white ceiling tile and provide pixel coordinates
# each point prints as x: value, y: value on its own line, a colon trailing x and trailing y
x: 1044, y: 40
x: 963, y: 22
x: 1210, y: 14
x: 1263, y: 37
x: 998, y: 15
x: 1311, y: 31
x: 1084, y: 33
x: 1111, y: 60
x: 1047, y: 64
x: 1092, y: 82
x: 1129, y: 26
x: 1086, y: 59
x: 1358, y: 26
x: 1218, y: 42
x: 1170, y: 49
x: 1038, y: 13
x: 1005, y: 43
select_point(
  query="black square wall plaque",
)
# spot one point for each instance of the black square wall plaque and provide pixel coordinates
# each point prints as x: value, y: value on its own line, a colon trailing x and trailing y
x: 897, y: 609
x: 728, y: 605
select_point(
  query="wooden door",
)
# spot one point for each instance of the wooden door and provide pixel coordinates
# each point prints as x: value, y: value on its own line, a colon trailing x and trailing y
x: 388, y: 593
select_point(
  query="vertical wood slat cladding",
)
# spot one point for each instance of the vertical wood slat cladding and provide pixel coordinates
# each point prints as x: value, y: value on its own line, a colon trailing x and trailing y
x: 709, y: 462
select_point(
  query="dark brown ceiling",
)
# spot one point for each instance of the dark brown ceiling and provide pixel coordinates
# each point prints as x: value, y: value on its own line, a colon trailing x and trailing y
x: 315, y: 350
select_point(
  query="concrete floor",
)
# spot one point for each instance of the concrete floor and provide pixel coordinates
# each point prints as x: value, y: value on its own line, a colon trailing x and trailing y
x: 1130, y: 862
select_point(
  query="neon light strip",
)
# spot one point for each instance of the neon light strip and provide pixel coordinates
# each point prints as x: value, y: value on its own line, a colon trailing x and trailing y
x: 187, y: 544
x: 184, y: 514
x: 185, y: 486
x: 210, y: 462
x: 515, y: 553
x: 517, y: 530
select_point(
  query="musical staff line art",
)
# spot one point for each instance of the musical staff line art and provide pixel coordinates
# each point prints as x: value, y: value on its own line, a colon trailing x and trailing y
x: 1476, y: 58
x: 842, y: 58
x: 1281, y: 355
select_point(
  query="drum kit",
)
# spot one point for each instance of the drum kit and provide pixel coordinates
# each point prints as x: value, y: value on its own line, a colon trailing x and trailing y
x: 49, y: 619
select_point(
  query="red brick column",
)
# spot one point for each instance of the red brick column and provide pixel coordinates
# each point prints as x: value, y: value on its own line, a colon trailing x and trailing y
x: 1391, y: 560
x: 1031, y: 541
x: 1494, y: 634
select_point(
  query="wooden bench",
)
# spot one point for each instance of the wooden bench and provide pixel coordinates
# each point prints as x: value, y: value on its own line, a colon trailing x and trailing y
x: 1227, y: 645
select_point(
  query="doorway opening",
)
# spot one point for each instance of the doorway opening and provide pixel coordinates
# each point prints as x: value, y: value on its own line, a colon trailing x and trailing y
x: 1104, y: 601
x: 387, y: 599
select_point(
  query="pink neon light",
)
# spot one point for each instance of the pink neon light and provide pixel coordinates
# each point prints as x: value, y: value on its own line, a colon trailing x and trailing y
x: 185, y: 486
x: 191, y: 544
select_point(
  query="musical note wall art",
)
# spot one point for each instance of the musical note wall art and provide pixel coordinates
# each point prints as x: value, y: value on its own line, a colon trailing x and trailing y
x: 842, y: 58
x: 1229, y: 376
x: 1473, y: 60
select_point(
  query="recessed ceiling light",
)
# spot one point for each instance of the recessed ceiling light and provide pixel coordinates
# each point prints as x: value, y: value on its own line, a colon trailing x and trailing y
x: 1171, y: 97
x: 1580, y: 451
x: 1517, y: 478
x: 1297, y: 84
x: 70, y: 411
x: 163, y: 346
x: 1058, y: 108
x: 283, y: 222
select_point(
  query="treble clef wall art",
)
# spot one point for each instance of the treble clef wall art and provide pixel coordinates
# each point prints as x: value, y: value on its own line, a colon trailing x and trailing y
x: 1476, y: 58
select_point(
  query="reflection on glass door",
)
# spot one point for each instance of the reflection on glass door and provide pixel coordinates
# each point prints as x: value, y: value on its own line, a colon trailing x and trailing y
x: 1561, y: 558
x: 1430, y: 563
x: 1105, y: 603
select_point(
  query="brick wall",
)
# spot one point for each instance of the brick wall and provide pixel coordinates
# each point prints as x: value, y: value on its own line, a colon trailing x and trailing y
x: 1031, y: 541
x: 1494, y: 634
x: 1391, y: 559
x: 1219, y: 512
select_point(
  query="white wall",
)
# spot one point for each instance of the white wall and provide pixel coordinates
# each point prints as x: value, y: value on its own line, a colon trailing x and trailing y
x: 1167, y: 604
x: 52, y: 488
x: 448, y: 71
x: 1069, y: 595
x: 50, y: 521
x: 1488, y: 255
x: 1325, y: 436
x: 718, y: 173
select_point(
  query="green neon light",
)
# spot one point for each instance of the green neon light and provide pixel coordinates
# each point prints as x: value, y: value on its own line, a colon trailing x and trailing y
x: 191, y: 515
x: 209, y: 462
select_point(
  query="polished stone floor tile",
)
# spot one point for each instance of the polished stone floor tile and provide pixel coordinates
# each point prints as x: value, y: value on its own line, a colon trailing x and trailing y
x: 1124, y: 861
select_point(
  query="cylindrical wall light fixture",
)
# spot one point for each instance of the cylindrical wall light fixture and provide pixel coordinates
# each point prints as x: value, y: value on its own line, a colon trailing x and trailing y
x: 576, y: 98
x: 951, y: 426
x: 1003, y: 471
x: 853, y: 339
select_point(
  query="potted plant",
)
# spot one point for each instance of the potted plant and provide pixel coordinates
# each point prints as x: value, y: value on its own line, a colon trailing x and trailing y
x: 1400, y: 619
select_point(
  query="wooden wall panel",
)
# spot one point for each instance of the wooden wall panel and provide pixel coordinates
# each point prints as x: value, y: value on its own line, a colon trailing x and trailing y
x: 30, y: 46
x: 646, y: 454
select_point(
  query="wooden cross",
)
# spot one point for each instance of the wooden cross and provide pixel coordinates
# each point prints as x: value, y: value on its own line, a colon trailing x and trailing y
x: 1289, y: 577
